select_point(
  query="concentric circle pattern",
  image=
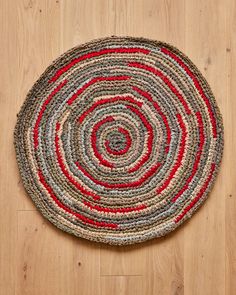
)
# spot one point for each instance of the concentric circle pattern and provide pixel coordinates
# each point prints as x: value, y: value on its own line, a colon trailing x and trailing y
x: 120, y: 140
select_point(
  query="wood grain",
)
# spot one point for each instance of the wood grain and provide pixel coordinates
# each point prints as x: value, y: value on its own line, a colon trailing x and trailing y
x: 35, y: 257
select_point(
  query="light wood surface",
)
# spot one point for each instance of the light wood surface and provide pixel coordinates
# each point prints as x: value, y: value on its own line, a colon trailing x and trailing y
x: 38, y: 259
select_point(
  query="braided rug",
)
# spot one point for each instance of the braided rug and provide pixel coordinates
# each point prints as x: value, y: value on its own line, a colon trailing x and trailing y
x: 120, y: 140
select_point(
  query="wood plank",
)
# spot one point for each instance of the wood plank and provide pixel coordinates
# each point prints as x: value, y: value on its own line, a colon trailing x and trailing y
x: 164, y: 265
x: 82, y: 21
x: 204, y: 258
x: 38, y: 44
x: 8, y: 179
x: 126, y: 260
x: 51, y: 262
x: 230, y: 142
x: 125, y: 285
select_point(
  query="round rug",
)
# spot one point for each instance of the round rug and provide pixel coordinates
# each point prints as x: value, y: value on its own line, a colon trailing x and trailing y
x: 120, y: 140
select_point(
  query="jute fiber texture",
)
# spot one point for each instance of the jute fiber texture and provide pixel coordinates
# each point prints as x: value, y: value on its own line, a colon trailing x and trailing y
x: 120, y: 140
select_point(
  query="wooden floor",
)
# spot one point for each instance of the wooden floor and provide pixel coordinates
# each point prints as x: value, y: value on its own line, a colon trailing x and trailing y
x: 36, y: 258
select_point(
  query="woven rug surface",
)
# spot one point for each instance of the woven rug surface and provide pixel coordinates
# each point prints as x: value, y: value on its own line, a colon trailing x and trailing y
x: 119, y: 141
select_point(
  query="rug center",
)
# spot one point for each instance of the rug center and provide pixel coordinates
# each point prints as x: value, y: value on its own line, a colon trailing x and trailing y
x: 117, y: 141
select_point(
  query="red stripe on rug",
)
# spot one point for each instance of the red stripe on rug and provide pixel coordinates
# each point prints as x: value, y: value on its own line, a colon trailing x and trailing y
x: 199, y: 195
x: 68, y: 210
x: 96, y: 54
x: 197, y: 85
